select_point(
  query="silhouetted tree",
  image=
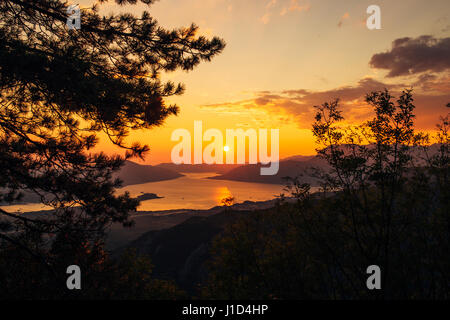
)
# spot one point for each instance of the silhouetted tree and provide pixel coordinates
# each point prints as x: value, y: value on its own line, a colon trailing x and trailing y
x: 383, y: 201
x: 227, y: 201
x: 59, y: 88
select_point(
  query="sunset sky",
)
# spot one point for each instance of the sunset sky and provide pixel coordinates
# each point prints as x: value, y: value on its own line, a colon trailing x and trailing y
x: 285, y: 56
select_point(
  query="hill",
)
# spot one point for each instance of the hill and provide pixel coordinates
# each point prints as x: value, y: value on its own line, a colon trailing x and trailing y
x: 288, y: 168
x: 299, y: 158
x: 133, y: 173
x: 130, y: 173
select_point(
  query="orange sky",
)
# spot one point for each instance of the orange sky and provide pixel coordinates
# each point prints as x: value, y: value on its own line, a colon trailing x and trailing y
x: 284, y: 56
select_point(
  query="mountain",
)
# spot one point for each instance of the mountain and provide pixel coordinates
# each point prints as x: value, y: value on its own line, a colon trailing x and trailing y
x: 130, y: 173
x: 287, y: 168
x: 133, y: 173
x: 198, y: 168
x: 291, y: 166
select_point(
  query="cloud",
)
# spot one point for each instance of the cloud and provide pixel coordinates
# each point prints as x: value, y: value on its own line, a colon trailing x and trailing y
x: 294, y: 5
x: 271, y: 3
x: 286, y: 7
x: 297, y: 106
x: 344, y: 17
x: 413, y: 56
x: 265, y: 18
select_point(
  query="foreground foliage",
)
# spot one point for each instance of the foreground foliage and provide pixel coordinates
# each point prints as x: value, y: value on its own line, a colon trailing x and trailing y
x: 60, y: 89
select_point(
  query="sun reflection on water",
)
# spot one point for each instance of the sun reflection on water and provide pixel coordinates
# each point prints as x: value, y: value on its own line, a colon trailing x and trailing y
x: 221, y: 194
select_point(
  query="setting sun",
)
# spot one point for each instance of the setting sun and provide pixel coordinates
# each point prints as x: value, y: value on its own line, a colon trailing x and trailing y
x: 226, y: 148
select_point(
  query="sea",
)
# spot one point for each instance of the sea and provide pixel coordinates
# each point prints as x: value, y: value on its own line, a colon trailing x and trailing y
x: 192, y: 191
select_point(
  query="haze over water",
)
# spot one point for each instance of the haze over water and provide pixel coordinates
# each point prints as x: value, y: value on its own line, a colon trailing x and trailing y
x: 192, y: 191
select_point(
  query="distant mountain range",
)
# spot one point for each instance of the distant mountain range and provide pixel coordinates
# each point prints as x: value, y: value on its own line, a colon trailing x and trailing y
x: 133, y: 173
x: 292, y: 166
x: 198, y: 168
x: 302, y: 166
x: 287, y: 168
x: 299, y: 158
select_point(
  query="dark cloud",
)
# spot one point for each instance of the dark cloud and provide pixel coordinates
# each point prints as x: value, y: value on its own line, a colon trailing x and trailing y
x: 414, y: 55
x: 297, y: 106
